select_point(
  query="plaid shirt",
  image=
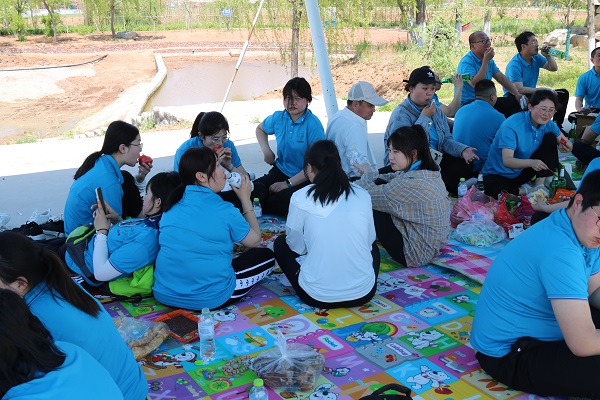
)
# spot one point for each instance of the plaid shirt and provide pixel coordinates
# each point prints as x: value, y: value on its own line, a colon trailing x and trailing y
x: 420, y: 208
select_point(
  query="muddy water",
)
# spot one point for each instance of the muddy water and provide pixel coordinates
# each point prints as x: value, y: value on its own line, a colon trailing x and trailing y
x: 207, y: 82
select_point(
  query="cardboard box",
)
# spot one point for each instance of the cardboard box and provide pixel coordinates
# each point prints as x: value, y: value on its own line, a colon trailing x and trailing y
x: 583, y: 121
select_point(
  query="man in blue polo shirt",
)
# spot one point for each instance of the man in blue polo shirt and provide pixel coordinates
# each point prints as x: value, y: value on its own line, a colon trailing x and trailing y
x: 479, y: 63
x: 476, y: 123
x: 523, y: 70
x: 536, y: 323
x: 588, y: 86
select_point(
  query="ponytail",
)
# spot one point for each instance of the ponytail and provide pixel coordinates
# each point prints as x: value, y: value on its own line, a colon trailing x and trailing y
x: 195, y: 130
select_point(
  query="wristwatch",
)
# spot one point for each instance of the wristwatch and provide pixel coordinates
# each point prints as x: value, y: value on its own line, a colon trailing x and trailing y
x: 289, y: 183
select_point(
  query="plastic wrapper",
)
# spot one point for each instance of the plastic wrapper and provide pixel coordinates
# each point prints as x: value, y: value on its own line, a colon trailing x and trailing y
x: 562, y: 195
x: 481, y: 233
x: 141, y: 336
x: 289, y: 366
x: 474, y: 205
x: 513, y: 210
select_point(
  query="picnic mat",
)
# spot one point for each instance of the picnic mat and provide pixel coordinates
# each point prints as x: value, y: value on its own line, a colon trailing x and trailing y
x: 415, y: 331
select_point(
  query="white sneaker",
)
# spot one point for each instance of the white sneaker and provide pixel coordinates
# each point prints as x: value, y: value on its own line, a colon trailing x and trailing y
x: 40, y: 218
x: 4, y: 219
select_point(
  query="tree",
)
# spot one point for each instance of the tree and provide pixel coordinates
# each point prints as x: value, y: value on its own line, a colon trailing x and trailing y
x: 50, y: 5
x: 297, y: 8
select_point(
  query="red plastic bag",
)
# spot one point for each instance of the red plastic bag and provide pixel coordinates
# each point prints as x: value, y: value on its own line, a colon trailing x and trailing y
x: 513, y: 210
x: 474, y: 205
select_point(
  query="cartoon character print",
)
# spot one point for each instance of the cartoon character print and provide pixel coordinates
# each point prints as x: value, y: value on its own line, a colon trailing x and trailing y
x: 389, y: 284
x: 322, y: 392
x: 461, y: 298
x: 435, y: 378
x: 423, y: 339
x: 225, y: 315
x: 338, y: 372
x: 164, y: 360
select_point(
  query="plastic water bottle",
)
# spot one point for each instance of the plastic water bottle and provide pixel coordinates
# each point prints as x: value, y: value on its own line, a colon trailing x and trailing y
x: 257, y: 208
x: 258, y: 391
x: 206, y: 330
x: 462, y: 188
x: 479, y: 185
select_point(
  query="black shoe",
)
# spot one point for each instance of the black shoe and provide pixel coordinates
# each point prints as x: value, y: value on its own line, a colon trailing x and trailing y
x: 55, y: 228
x: 32, y: 230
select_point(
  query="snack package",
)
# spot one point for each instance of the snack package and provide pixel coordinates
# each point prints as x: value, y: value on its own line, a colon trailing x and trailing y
x: 141, y: 336
x: 481, y: 233
x: 289, y: 366
x: 562, y: 195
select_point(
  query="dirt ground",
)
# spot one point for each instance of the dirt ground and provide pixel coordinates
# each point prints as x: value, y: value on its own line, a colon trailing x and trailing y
x: 49, y: 102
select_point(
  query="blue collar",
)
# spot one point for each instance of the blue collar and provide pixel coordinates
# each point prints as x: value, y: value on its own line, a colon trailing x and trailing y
x: 415, y: 166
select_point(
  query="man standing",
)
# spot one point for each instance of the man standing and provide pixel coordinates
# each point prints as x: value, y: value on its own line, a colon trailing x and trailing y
x: 348, y: 128
x: 536, y: 324
x: 476, y: 123
x: 479, y: 63
x: 588, y: 86
x: 523, y: 70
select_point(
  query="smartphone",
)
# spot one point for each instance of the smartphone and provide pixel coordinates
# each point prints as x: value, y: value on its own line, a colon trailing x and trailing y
x: 100, y: 199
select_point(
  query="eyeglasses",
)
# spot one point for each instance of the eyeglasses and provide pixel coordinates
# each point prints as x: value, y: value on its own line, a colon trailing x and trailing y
x: 535, y: 42
x: 484, y: 41
x: 597, y: 216
x: 546, y: 111
x: 140, y: 145
x: 218, y: 139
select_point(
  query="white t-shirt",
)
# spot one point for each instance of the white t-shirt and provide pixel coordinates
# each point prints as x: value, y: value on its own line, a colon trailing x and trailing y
x: 349, y: 133
x: 337, y: 240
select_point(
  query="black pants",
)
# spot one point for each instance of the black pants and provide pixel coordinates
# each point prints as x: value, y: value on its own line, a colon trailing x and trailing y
x: 546, y: 368
x: 389, y: 236
x: 132, y: 202
x: 260, y: 192
x: 507, y: 105
x: 452, y: 169
x: 250, y: 268
x: 584, y: 152
x: 277, y: 203
x: 547, y: 152
x: 286, y: 258
x: 561, y: 107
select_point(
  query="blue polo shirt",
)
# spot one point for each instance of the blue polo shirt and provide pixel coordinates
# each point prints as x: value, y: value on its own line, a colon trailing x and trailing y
x: 197, y: 142
x: 193, y: 267
x: 293, y: 138
x: 80, y: 376
x: 96, y: 335
x: 519, y: 70
x: 476, y: 124
x: 588, y: 87
x: 105, y: 174
x: 595, y: 126
x: 544, y: 263
x: 519, y: 134
x: 132, y: 244
x: 471, y: 64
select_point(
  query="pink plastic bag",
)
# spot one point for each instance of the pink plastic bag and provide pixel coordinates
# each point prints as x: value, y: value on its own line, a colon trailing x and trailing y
x: 474, y: 205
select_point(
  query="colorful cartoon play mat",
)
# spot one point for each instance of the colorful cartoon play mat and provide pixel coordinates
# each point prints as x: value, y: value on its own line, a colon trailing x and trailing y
x: 415, y: 331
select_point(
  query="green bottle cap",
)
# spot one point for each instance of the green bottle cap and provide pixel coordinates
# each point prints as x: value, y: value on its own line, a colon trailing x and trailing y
x: 255, y: 199
x: 258, y: 382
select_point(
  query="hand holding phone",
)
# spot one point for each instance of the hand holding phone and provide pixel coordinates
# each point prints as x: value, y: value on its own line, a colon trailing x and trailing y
x: 100, y: 199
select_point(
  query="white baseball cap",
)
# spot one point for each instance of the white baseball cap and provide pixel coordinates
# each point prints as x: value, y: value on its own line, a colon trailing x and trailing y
x: 364, y: 91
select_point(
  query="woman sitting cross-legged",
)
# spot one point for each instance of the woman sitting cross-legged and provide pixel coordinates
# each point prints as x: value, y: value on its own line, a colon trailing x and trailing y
x: 411, y: 208
x: 33, y: 366
x: 330, y: 226
x: 67, y: 311
x: 194, y: 267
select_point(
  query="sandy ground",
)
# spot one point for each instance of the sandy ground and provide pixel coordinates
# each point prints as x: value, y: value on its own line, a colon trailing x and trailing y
x: 52, y: 102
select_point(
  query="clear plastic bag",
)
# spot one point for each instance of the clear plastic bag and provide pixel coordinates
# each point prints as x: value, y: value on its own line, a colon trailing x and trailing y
x: 141, y: 336
x: 474, y: 205
x: 289, y: 366
x: 480, y: 233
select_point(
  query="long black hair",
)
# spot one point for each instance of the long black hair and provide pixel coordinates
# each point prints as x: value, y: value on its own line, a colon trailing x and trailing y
x: 22, y: 257
x: 209, y: 123
x: 195, y: 159
x: 26, y: 346
x: 412, y: 142
x: 330, y: 182
x: 162, y: 185
x: 117, y: 133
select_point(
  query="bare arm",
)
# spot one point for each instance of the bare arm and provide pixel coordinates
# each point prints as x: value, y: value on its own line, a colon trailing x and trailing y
x: 487, y: 56
x: 550, y: 62
x: 263, y: 141
x: 507, y: 84
x: 451, y: 109
x: 523, y: 89
x: 253, y: 237
x: 575, y: 321
x: 509, y: 161
x: 589, y: 136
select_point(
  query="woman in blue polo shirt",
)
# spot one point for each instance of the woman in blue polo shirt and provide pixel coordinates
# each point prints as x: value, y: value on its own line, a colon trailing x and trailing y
x: 122, y: 146
x: 33, y: 366
x: 68, y: 312
x: 295, y: 129
x: 211, y: 129
x: 525, y: 147
x: 132, y: 244
x: 194, y: 267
